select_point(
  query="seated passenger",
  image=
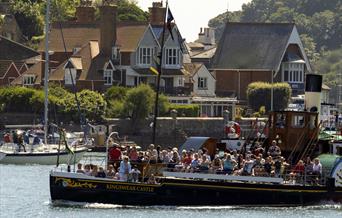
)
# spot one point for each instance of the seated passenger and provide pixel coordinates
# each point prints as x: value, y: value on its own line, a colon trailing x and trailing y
x: 87, y: 170
x: 204, y: 164
x: 79, y: 168
x: 133, y: 154
x: 110, y: 172
x: 247, y: 169
x: 228, y: 165
x: 274, y: 150
x: 94, y: 171
x: 152, y: 180
x: 195, y: 163
x: 216, y: 165
x: 135, y: 172
x: 101, y: 173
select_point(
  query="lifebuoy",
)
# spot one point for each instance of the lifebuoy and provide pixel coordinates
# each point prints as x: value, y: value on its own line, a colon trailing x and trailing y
x: 232, y: 130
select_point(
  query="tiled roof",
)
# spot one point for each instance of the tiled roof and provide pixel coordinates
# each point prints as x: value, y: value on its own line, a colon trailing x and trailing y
x: 4, y: 65
x: 84, y: 57
x: 11, y: 50
x: 205, y: 54
x: 36, y: 70
x: 192, y: 68
x: 78, y: 34
x: 252, y: 45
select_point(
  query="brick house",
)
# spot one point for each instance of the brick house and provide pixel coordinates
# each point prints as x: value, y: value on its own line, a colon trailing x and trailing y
x: 249, y: 52
x: 104, y: 53
x: 15, y: 59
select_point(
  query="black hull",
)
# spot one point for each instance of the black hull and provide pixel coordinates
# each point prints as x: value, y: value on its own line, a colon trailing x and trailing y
x: 180, y: 192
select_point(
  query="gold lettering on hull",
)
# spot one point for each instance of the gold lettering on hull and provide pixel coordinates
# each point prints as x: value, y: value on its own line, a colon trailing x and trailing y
x: 73, y: 184
x: 130, y: 188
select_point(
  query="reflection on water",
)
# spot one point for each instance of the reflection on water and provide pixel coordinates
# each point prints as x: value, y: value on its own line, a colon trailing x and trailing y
x: 24, y: 192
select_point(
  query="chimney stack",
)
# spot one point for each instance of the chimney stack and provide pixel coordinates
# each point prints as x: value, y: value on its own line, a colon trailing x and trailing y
x: 157, y: 13
x: 107, y: 28
x: 85, y: 14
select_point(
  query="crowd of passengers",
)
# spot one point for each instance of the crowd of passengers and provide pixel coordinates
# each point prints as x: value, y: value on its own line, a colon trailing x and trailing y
x: 255, y: 162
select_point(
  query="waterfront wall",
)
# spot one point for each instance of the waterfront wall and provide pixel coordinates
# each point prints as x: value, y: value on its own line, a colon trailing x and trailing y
x: 170, y: 132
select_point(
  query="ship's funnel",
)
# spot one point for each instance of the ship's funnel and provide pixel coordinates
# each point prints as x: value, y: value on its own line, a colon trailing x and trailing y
x: 313, y: 88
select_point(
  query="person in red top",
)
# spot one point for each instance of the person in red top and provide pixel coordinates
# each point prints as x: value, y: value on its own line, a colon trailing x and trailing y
x: 115, y: 153
x: 297, y: 171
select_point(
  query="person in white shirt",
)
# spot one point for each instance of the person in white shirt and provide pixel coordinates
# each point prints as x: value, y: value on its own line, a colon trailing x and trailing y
x: 125, y: 169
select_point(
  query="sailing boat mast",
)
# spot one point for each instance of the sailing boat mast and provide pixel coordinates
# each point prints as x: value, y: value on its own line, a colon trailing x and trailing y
x: 46, y: 73
x: 160, y: 69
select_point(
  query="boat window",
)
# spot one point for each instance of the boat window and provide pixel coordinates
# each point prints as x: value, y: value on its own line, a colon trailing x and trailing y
x: 297, y: 121
x: 281, y: 121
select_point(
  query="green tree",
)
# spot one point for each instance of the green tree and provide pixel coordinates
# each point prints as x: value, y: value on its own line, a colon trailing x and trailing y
x: 28, y: 16
x: 139, y: 103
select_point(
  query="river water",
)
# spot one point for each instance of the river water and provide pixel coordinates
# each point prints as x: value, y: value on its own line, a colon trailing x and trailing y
x: 24, y: 192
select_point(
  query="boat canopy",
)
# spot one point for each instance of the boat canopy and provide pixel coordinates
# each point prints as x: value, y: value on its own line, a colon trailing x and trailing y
x: 197, y: 143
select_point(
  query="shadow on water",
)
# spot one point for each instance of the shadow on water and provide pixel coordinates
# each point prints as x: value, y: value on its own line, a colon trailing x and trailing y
x: 80, y: 205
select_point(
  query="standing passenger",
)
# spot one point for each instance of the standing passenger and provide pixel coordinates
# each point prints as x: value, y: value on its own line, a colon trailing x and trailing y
x: 125, y: 168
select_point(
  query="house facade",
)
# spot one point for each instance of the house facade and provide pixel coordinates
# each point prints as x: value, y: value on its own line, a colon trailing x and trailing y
x: 15, y: 59
x: 100, y: 54
x: 268, y: 52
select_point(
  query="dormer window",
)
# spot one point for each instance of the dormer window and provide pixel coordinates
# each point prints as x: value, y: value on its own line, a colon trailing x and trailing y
x: 108, y: 73
x: 293, y: 72
x: 70, y: 73
x: 28, y: 80
x: 145, y: 56
x: 172, y: 56
x: 115, y: 53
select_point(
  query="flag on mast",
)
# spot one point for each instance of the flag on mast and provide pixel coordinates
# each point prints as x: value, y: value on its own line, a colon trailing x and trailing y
x: 170, y: 18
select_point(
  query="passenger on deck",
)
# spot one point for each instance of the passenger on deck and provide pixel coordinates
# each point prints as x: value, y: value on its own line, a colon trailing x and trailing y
x: 247, y: 169
x: 274, y: 150
x: 94, y: 171
x: 268, y: 165
x: 152, y: 180
x: 186, y: 161
x: 135, y: 172
x: 79, y: 168
x: 204, y: 164
x: 101, y: 173
x: 152, y: 154
x: 125, y: 168
x: 110, y: 172
x: 133, y: 154
x: 308, y: 166
x: 317, y: 167
x: 228, y: 164
x: 195, y: 163
x: 87, y: 170
x: 165, y: 158
x: 7, y: 138
x: 216, y: 165
x: 115, y: 153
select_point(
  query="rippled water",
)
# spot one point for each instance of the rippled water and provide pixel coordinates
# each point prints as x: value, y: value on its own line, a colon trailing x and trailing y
x: 24, y: 192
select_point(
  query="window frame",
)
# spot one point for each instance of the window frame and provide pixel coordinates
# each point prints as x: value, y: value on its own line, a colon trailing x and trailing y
x: 108, y: 74
x: 28, y: 80
x: 293, y: 72
x: 202, y: 83
x: 172, y: 57
x: 145, y: 56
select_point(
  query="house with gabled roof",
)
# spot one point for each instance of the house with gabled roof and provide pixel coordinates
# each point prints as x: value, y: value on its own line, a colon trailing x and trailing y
x: 249, y: 52
x: 15, y: 59
x: 110, y: 53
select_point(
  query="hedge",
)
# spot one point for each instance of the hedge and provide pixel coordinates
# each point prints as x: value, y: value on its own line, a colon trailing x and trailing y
x: 188, y: 110
x: 259, y: 94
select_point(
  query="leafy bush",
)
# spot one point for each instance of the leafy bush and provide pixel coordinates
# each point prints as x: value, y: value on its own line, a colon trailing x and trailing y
x: 116, y: 93
x: 259, y: 94
x: 139, y: 102
x: 189, y: 110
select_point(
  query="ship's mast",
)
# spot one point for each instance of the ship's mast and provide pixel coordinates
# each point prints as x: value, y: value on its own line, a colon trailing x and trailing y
x: 46, y: 74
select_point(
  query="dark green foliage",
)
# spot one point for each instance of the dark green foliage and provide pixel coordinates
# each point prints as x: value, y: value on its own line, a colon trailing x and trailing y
x: 129, y: 11
x: 189, y: 110
x: 259, y: 94
x: 163, y: 105
x: 139, y: 102
x: 29, y: 17
x: 329, y: 66
x: 116, y: 93
x: 61, y: 102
